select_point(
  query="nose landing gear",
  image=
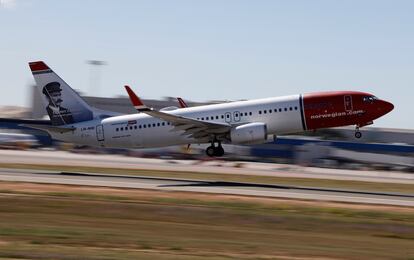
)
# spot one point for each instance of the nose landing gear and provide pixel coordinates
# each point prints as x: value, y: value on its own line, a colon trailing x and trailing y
x: 215, y: 151
x: 358, y: 134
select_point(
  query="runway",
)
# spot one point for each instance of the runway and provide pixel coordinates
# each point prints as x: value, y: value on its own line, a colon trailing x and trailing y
x: 214, y: 187
x: 222, y: 167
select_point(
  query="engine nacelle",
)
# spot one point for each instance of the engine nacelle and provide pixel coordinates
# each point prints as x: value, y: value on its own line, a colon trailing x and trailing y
x: 253, y: 133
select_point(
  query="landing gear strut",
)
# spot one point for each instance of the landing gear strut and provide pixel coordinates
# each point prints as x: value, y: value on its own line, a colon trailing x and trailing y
x: 215, y: 151
x: 358, y: 134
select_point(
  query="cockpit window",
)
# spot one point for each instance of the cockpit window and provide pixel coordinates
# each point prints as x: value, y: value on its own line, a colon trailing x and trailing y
x: 370, y: 99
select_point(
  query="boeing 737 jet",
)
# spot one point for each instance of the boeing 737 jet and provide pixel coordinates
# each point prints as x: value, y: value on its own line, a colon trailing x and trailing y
x: 240, y: 122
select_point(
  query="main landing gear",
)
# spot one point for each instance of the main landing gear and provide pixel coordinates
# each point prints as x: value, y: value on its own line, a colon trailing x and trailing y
x: 358, y: 134
x: 215, y: 151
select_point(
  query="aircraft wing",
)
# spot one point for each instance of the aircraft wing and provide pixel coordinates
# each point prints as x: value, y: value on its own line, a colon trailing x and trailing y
x: 194, y: 128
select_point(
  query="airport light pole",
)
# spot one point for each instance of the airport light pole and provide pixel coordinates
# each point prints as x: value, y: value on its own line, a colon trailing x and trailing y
x: 95, y: 76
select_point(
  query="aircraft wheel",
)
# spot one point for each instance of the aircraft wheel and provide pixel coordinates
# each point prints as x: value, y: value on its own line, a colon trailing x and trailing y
x: 210, y: 151
x: 219, y: 151
x: 358, y: 134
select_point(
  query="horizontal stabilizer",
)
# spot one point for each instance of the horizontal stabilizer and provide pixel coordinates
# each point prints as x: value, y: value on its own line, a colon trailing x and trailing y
x: 50, y: 128
x: 18, y: 121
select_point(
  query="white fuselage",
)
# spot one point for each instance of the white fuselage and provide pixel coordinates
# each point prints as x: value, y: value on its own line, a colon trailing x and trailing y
x: 281, y: 115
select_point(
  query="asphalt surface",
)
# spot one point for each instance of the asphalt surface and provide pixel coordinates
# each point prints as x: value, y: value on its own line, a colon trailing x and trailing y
x: 218, y: 187
x: 241, y: 168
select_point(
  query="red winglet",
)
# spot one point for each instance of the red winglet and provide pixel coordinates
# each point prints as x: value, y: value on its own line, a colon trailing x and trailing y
x: 182, y: 103
x: 136, y: 102
x: 133, y: 97
x: 38, y: 65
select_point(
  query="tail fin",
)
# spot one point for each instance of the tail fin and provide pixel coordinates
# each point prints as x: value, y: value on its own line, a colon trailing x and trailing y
x: 61, y: 102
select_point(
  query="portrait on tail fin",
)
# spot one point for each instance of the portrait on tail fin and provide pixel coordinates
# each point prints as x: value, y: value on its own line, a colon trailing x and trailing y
x: 58, y: 114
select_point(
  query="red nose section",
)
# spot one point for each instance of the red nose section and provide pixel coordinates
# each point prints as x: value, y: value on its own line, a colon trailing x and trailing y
x: 341, y: 108
x: 386, y: 107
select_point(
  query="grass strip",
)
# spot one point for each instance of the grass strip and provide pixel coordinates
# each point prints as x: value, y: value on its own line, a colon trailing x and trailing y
x: 41, y: 221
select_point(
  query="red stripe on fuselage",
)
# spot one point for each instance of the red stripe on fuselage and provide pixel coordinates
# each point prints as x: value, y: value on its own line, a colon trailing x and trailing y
x: 339, y: 108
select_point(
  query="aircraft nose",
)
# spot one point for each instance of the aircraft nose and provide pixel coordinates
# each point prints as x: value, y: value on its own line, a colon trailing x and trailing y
x: 386, y: 106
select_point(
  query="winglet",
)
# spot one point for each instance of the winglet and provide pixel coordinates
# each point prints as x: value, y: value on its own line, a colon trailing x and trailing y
x: 136, y: 101
x: 182, y: 103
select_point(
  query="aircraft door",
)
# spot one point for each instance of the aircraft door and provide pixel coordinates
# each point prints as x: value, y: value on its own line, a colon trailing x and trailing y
x: 348, y: 103
x: 100, y: 133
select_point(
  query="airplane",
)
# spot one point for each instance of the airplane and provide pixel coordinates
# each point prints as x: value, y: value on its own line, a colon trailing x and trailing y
x: 240, y: 122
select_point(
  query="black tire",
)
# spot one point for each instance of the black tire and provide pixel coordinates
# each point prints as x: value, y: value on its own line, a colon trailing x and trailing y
x: 210, y: 151
x: 219, y: 151
x: 358, y: 135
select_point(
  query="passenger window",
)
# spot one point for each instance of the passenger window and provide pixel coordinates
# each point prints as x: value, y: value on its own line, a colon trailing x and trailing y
x: 117, y: 129
x: 296, y: 108
x: 163, y: 123
x: 265, y: 111
x: 290, y: 108
x: 222, y: 116
x: 270, y: 111
x: 250, y: 113
x: 212, y: 118
x: 285, y: 108
x: 280, y: 110
x: 275, y: 110
x: 158, y: 124
x: 140, y: 126
x: 217, y: 117
x: 260, y: 112
x: 135, y: 127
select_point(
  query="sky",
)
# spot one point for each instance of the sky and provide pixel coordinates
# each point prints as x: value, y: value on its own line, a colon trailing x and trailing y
x: 213, y: 50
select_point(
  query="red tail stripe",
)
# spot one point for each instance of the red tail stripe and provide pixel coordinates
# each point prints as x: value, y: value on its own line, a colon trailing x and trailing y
x: 38, y: 65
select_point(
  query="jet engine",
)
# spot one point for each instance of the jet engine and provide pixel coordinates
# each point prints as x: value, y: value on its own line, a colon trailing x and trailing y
x: 252, y: 133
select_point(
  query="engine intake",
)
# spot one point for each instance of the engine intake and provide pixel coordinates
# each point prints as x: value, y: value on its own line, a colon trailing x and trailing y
x: 252, y: 133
